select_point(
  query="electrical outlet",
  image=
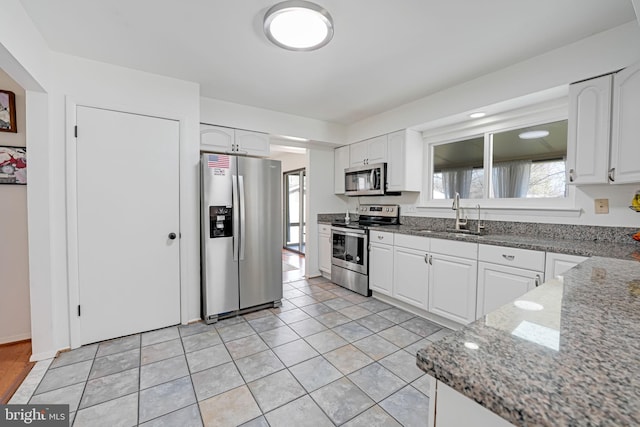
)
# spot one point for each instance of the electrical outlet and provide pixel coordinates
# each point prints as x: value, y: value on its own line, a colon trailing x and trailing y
x: 602, y: 206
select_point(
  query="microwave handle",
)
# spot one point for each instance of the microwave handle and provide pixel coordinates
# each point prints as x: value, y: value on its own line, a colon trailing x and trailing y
x: 373, y: 179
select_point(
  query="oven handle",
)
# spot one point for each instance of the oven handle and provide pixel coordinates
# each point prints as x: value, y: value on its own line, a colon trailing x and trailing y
x: 352, y: 233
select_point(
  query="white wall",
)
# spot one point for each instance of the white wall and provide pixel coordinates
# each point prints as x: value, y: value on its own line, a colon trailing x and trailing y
x: 321, y: 200
x: 601, y: 53
x: 222, y: 113
x: 102, y: 85
x: 24, y: 56
x: 291, y: 161
x: 15, y: 313
x: 595, y: 55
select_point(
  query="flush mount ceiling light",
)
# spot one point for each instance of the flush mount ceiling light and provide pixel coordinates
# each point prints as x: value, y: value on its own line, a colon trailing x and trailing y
x: 477, y: 115
x: 534, y: 134
x: 298, y: 25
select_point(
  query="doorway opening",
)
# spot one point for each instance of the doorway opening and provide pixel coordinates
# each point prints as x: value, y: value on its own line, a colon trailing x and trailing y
x: 295, y: 189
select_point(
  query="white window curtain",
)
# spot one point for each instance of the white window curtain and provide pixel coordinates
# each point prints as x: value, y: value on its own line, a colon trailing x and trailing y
x: 511, y: 179
x: 456, y: 180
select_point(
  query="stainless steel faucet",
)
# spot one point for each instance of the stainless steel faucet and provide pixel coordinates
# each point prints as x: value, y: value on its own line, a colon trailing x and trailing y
x: 461, y: 224
x: 480, y: 225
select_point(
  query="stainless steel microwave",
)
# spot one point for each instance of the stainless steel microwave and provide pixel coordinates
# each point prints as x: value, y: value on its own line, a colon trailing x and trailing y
x: 367, y: 180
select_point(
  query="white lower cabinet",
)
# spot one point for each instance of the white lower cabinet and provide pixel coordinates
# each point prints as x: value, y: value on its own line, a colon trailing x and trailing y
x: 452, y: 287
x: 557, y: 264
x: 499, y: 284
x: 381, y: 262
x: 453, y: 409
x: 324, y: 249
x: 411, y: 276
x: 506, y: 273
x: 458, y: 281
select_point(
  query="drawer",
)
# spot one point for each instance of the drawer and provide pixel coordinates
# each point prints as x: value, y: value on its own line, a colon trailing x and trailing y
x: 512, y: 257
x: 412, y: 242
x: 380, y: 237
x: 324, y: 228
x: 455, y: 248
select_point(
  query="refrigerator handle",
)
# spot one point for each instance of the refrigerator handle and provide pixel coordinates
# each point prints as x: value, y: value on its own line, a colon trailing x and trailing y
x: 242, y: 217
x: 236, y: 224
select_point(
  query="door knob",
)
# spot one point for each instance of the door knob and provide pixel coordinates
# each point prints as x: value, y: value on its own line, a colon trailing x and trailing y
x: 172, y: 236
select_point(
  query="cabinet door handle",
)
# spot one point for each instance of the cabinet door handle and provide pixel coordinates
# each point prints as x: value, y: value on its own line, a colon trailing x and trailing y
x: 537, y: 281
x: 571, y: 175
x: 508, y: 257
x: 426, y: 258
x: 612, y: 173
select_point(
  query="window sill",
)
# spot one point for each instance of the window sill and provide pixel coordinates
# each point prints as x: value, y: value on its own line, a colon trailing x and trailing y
x: 507, y: 210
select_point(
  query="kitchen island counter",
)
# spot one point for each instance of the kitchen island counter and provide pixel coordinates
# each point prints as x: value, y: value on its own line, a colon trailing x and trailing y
x: 566, y: 354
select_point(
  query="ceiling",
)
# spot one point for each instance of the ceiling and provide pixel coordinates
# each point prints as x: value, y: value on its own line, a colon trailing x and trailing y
x: 384, y: 53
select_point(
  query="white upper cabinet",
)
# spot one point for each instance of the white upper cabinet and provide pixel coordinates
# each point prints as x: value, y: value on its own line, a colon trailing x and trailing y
x: 377, y: 148
x: 602, y: 139
x: 368, y: 152
x: 401, y: 151
x: 253, y: 143
x: 625, y: 131
x: 233, y: 141
x: 588, y: 132
x: 340, y: 163
x: 404, y: 161
x: 216, y: 138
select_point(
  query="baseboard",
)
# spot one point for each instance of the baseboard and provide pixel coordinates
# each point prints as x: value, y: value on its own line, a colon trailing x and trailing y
x: 418, y: 311
x: 44, y: 355
x: 14, y: 338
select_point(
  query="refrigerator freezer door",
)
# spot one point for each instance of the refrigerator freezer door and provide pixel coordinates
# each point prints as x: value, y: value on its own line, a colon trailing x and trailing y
x: 219, y: 271
x: 261, y: 263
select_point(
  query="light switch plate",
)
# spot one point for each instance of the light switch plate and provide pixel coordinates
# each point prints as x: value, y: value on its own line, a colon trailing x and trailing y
x: 602, y: 206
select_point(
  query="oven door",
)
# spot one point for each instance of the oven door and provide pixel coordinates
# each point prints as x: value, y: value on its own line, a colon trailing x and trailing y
x: 349, y: 249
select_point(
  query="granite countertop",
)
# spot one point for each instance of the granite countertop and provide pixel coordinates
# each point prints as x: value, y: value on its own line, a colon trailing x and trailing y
x: 585, y: 248
x: 572, y: 360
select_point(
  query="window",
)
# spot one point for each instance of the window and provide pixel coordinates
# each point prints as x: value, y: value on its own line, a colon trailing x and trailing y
x: 458, y: 168
x: 529, y: 162
x: 525, y: 162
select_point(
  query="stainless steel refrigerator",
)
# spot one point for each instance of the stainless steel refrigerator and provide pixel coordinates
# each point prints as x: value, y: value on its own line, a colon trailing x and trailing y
x: 241, y: 234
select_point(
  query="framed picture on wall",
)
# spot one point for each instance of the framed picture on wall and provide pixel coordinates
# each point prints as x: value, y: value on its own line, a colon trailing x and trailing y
x: 13, y: 165
x: 7, y: 111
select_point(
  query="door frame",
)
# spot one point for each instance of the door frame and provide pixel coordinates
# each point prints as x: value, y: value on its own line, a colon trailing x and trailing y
x: 301, y: 210
x: 71, y: 106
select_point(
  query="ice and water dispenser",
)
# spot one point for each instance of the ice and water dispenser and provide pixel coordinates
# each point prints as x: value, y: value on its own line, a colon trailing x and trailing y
x: 220, y: 223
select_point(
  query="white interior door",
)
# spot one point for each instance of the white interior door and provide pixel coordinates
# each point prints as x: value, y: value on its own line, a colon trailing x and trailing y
x: 127, y: 178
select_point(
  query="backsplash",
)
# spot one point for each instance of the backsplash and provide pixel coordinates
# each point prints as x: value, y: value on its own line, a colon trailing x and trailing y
x: 552, y: 231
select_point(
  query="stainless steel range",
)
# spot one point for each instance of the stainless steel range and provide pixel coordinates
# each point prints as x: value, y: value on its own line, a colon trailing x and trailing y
x: 350, y: 246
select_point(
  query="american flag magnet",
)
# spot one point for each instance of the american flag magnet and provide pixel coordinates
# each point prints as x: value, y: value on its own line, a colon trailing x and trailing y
x: 218, y: 161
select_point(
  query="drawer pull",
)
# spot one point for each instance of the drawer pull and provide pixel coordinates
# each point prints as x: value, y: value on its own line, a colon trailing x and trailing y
x: 537, y: 280
x: 380, y: 237
x: 508, y: 257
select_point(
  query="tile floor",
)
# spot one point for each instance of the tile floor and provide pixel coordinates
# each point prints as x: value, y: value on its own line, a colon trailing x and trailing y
x: 327, y: 357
